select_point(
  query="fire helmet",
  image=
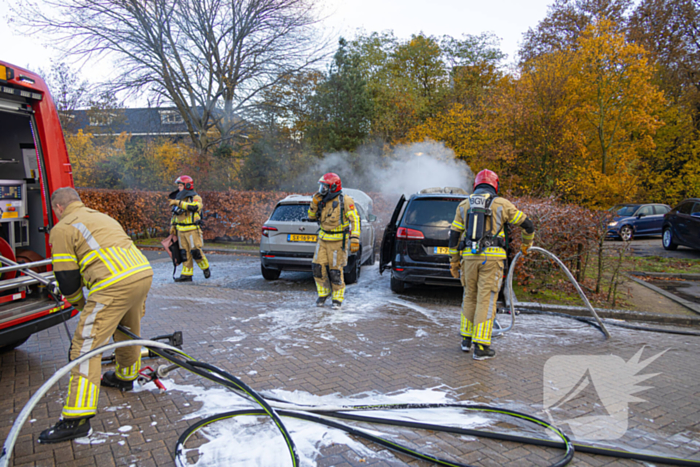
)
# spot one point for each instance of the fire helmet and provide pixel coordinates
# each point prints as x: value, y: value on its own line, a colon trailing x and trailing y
x: 487, y: 177
x: 332, y: 181
x: 187, y: 181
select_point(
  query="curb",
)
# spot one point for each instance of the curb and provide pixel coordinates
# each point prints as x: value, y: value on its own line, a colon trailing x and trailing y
x: 216, y: 250
x: 608, y: 313
x: 681, y: 301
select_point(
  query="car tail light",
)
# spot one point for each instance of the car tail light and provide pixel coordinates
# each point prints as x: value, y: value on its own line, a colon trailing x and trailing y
x: 266, y: 229
x: 409, y: 234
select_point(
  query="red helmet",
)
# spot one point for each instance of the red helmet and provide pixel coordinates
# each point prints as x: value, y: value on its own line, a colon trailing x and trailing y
x: 187, y: 181
x: 488, y: 177
x: 333, y: 182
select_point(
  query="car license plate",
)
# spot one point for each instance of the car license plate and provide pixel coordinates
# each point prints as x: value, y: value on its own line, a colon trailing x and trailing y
x: 301, y: 238
x: 442, y: 250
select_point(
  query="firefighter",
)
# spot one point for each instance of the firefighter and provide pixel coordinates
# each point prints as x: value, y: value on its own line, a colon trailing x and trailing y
x: 186, y: 223
x: 339, y: 229
x: 90, y: 248
x: 483, y: 258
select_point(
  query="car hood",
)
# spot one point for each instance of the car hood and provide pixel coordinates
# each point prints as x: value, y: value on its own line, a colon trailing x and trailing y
x: 619, y: 219
x: 361, y: 198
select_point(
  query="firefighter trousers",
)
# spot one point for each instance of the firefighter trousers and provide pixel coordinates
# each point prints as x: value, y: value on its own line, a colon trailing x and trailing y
x: 329, y: 260
x: 191, y: 241
x: 122, y: 303
x: 481, y: 281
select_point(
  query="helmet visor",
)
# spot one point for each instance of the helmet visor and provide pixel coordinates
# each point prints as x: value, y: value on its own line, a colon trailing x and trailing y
x: 323, y: 188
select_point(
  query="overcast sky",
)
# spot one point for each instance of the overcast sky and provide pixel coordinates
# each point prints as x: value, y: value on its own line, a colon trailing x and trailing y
x: 508, y: 19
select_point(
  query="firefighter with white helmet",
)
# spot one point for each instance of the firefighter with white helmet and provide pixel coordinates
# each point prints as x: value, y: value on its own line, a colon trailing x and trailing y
x: 186, y: 223
x: 339, y: 230
x: 477, y: 249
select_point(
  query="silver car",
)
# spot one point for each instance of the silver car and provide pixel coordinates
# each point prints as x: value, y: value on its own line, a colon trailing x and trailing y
x: 288, y: 240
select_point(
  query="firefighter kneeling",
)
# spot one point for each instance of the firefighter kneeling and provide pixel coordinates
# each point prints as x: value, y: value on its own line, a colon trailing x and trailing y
x: 339, y: 227
x: 186, y: 223
x: 478, y: 233
x: 91, y: 248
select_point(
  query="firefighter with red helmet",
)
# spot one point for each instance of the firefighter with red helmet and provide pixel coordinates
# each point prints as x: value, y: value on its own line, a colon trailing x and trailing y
x: 477, y: 249
x: 186, y: 223
x: 339, y: 231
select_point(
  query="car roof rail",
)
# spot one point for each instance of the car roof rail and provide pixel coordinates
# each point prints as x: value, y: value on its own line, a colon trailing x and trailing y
x: 447, y: 190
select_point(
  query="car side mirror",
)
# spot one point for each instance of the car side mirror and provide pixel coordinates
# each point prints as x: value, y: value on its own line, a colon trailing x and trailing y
x: 639, y: 216
x: 371, y: 217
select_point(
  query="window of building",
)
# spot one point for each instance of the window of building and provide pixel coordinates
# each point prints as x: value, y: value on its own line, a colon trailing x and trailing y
x: 170, y: 117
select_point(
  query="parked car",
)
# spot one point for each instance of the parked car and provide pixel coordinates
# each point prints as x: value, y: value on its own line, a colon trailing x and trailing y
x: 637, y: 220
x: 415, y: 242
x: 682, y: 225
x: 288, y: 239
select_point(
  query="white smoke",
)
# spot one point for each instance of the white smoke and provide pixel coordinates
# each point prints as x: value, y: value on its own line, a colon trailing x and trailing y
x: 406, y: 170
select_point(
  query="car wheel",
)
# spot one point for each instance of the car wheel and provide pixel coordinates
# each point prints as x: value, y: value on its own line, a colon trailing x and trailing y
x: 353, y: 275
x: 397, y: 286
x: 270, y: 274
x: 667, y: 240
x: 626, y: 233
x: 13, y: 345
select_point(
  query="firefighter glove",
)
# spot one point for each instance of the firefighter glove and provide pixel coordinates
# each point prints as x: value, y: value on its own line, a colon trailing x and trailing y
x: 524, y: 247
x: 53, y: 289
x: 173, y: 230
x: 454, y: 269
x: 174, y: 202
x: 354, y: 245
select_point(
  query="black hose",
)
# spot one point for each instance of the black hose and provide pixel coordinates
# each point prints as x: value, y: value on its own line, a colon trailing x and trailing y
x: 221, y: 377
x: 592, y: 322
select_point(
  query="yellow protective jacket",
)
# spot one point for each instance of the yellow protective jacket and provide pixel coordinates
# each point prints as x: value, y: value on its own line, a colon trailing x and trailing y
x: 338, y: 218
x: 503, y: 211
x: 90, y: 248
x: 191, y: 217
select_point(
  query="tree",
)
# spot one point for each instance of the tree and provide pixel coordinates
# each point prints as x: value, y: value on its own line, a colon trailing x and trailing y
x: 617, y: 106
x: 565, y: 22
x: 68, y: 92
x: 341, y: 107
x: 211, y: 58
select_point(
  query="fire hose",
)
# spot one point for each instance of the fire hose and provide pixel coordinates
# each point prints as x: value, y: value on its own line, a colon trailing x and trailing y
x: 276, y: 408
x: 509, y: 287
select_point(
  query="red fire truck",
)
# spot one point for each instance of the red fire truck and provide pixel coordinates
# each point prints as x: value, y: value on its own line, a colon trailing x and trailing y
x: 33, y: 163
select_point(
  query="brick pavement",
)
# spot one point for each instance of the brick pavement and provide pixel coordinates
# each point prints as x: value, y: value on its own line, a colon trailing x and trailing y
x: 270, y: 335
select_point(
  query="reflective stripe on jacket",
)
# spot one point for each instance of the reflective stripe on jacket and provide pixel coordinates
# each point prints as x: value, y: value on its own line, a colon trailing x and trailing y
x: 96, y: 245
x: 332, y: 226
x: 189, y: 220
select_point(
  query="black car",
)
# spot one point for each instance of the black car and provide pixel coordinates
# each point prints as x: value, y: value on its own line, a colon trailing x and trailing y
x: 682, y: 225
x: 415, y: 242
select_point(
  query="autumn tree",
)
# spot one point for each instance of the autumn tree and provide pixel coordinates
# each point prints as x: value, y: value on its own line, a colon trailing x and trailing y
x: 617, y: 107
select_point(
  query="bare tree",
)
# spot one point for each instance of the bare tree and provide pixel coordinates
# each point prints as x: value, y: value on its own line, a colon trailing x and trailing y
x: 68, y: 92
x: 211, y: 58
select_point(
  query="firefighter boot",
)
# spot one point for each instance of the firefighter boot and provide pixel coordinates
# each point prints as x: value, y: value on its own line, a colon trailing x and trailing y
x: 110, y: 380
x: 321, y: 300
x: 207, y: 273
x: 183, y: 278
x: 336, y: 304
x: 65, y: 430
x: 466, y: 344
x: 483, y: 352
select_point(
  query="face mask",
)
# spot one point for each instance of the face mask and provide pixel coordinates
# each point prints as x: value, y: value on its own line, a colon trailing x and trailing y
x: 323, y: 189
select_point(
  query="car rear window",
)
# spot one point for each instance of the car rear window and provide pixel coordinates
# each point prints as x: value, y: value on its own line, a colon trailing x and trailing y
x: 290, y: 212
x: 438, y: 212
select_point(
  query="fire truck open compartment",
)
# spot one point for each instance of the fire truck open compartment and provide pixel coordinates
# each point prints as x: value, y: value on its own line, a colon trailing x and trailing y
x: 25, y: 306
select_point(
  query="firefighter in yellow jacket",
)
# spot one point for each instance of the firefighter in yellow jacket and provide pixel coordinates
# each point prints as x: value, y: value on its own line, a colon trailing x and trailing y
x: 186, y: 223
x: 91, y: 249
x: 339, y: 229
x: 478, y: 233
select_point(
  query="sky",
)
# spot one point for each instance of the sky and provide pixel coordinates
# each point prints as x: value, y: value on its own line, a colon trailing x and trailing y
x: 507, y: 19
